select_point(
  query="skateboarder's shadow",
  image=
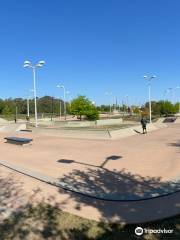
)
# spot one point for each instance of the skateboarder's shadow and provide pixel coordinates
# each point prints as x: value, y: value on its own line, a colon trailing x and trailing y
x: 137, y: 131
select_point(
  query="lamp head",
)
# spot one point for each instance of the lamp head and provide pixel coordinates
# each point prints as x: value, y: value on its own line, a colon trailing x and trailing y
x: 60, y: 86
x: 108, y: 93
x: 153, y: 76
x: 27, y: 64
x: 40, y: 63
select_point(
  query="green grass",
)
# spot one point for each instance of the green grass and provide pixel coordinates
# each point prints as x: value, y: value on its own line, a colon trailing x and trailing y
x: 47, y: 222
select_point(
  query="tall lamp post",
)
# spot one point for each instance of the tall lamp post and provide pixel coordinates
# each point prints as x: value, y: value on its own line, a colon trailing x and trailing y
x: 59, y: 106
x: 28, y: 106
x: 170, y: 90
x: 178, y: 87
x: 110, y: 95
x: 149, y: 78
x: 127, y: 102
x: 68, y: 93
x: 61, y: 86
x: 164, y: 94
x: 28, y: 98
x: 30, y: 65
x: 52, y: 107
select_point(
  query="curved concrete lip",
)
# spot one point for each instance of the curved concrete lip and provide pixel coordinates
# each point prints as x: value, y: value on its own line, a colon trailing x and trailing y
x: 141, y: 190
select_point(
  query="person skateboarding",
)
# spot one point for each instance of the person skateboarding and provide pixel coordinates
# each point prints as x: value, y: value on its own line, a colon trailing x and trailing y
x: 144, y: 123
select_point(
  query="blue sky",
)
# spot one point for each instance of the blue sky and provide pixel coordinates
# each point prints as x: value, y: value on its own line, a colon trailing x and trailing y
x: 90, y: 46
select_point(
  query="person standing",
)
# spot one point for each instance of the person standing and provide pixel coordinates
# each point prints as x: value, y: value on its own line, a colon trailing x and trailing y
x: 144, y: 123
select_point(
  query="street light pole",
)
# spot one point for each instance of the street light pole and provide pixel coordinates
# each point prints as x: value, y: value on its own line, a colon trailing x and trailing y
x: 69, y: 97
x: 28, y: 106
x: 172, y: 94
x: 61, y: 86
x: 59, y: 100
x: 149, y: 88
x: 28, y: 103
x: 109, y: 94
x: 150, y: 103
x: 178, y: 87
x: 30, y: 65
x: 35, y: 99
x: 52, y: 107
x: 16, y: 113
x: 127, y: 102
x: 164, y: 95
x: 60, y: 108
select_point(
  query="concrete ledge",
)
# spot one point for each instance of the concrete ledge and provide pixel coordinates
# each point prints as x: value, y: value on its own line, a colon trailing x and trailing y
x: 151, y: 193
x: 177, y: 120
x: 125, y: 132
x: 95, y: 133
x: 73, y: 133
x: 109, y: 122
x: 12, y: 127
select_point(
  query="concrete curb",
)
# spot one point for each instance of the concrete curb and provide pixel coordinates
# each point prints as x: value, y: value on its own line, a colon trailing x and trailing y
x: 100, y: 196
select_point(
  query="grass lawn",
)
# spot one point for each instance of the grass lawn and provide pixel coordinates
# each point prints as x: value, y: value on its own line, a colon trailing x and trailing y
x: 46, y: 222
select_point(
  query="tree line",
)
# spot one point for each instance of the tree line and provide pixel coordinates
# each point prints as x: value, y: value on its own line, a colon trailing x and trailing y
x: 162, y: 108
x: 81, y: 106
x: 45, y: 104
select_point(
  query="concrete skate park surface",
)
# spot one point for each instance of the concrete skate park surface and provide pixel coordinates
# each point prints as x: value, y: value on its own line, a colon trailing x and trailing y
x: 134, y: 168
x: 120, y: 131
x: 12, y: 127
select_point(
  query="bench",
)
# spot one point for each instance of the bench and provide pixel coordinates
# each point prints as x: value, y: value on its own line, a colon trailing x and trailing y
x: 18, y: 140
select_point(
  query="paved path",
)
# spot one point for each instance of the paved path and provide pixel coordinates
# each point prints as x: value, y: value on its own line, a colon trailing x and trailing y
x: 151, y: 160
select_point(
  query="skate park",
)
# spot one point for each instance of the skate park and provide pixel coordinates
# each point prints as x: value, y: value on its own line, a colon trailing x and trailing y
x: 121, y: 167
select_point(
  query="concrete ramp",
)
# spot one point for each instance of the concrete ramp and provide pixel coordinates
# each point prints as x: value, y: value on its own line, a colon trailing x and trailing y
x: 177, y: 120
x: 12, y: 127
x: 125, y: 132
x: 2, y: 121
x: 160, y: 120
x: 73, y: 133
x: 95, y: 133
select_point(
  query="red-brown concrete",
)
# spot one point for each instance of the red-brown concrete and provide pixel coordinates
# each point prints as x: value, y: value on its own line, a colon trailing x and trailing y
x: 151, y: 158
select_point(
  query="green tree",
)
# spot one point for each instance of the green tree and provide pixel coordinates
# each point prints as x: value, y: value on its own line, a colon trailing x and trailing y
x: 177, y: 106
x: 6, y: 111
x: 136, y: 110
x: 162, y: 108
x: 82, y: 106
x: 2, y: 105
x: 104, y: 108
x: 167, y: 108
x: 92, y: 114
